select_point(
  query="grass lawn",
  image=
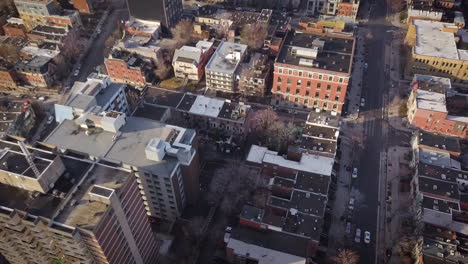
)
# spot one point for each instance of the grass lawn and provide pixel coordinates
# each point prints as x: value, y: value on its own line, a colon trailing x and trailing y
x: 173, y: 83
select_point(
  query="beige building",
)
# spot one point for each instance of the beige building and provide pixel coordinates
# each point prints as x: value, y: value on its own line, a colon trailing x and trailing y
x: 435, y: 51
x: 189, y: 62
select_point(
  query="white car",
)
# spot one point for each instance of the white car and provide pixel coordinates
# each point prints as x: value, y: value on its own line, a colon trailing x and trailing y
x: 367, y: 237
x: 354, y: 175
x: 357, y: 239
x: 351, y: 204
x: 76, y: 73
x: 363, y: 102
x: 227, y: 234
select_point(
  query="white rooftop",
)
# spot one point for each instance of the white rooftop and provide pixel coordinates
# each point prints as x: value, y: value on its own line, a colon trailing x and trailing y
x: 431, y: 101
x: 257, y: 153
x: 308, y: 163
x: 443, y: 219
x: 263, y: 255
x: 431, y: 40
x: 226, y: 58
x: 144, y: 26
x: 36, y: 51
x: 206, y: 106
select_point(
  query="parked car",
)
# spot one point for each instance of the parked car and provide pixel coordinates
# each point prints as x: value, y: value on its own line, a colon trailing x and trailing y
x: 351, y: 204
x: 76, y: 73
x: 357, y: 238
x: 348, y: 227
x: 363, y: 102
x: 50, y: 120
x: 354, y: 173
x: 367, y: 237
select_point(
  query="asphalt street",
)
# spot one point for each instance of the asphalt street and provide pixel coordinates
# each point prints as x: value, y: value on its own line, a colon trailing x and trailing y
x: 368, y: 162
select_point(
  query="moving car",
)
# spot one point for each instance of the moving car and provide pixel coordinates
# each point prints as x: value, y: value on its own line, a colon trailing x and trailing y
x: 354, y: 173
x: 50, y: 120
x: 367, y: 237
x: 357, y: 238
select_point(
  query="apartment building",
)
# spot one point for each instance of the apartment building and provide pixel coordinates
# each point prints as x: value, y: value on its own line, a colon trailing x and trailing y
x: 313, y: 71
x: 142, y: 28
x: 189, y: 62
x: 432, y: 141
x: 255, y: 76
x: 320, y: 133
x: 340, y: 8
x: 69, y: 210
x: 97, y: 94
x: 17, y: 118
x: 163, y: 158
x: 286, y: 226
x: 168, y: 12
x: 434, y: 51
x: 223, y: 67
x: 435, y: 107
x: 13, y: 29
x: 441, y: 205
x: 202, y: 112
x: 33, y: 12
x: 129, y: 68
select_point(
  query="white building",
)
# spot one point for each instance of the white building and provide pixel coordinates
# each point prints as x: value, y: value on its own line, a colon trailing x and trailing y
x: 222, y: 69
x: 189, y: 62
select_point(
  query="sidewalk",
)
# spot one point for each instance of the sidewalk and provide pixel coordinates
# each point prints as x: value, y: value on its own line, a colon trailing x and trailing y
x: 350, y: 130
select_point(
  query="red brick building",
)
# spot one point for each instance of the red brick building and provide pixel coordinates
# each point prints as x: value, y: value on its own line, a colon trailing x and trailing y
x: 14, y: 30
x: 124, y: 67
x: 348, y: 9
x: 433, y: 106
x: 313, y: 71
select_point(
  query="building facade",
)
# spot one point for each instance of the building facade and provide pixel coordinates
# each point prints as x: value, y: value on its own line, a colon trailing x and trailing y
x: 33, y: 12
x: 223, y: 67
x: 189, y: 62
x: 431, y: 106
x: 124, y: 67
x: 255, y: 76
x: 167, y: 12
x: 313, y: 71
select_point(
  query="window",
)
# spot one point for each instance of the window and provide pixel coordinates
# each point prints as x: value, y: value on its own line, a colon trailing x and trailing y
x: 300, y: 73
x: 337, y: 98
x: 327, y: 96
x: 325, y: 105
x: 317, y: 94
x: 306, y: 101
x: 319, y: 85
x: 296, y: 100
x: 299, y: 82
x: 290, y: 72
x: 288, y: 90
x: 289, y: 81
x: 330, y: 78
x: 320, y: 77
x: 307, y: 93
x: 298, y: 91
x: 328, y: 87
x: 280, y: 70
x: 338, y: 89
x: 309, y: 83
x: 341, y: 80
x: 278, y: 88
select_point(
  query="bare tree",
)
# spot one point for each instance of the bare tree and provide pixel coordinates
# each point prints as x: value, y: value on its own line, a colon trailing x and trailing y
x: 182, y: 32
x: 254, y: 35
x: 63, y: 66
x: 346, y: 256
x: 284, y: 134
x: 265, y: 120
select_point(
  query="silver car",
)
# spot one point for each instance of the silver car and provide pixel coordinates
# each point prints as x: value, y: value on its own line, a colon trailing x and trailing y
x: 357, y: 238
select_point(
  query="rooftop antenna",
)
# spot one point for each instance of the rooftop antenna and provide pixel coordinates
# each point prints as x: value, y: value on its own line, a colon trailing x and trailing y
x: 29, y: 158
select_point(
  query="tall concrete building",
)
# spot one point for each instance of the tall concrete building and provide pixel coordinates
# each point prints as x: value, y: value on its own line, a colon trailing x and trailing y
x: 58, y: 208
x: 163, y: 158
x: 168, y: 12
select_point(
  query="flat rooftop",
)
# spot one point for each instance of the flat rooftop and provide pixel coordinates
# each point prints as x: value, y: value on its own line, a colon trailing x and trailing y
x: 439, y: 188
x: 334, y: 53
x: 440, y: 173
x: 87, y: 212
x: 440, y: 205
x: 44, y: 205
x: 305, y: 181
x: 308, y: 163
x: 306, y: 203
x: 152, y: 112
x: 128, y: 146
x: 242, y: 239
x: 321, y: 132
x: 438, y: 158
x: 324, y: 118
x: 318, y: 144
x: 226, y: 57
x: 433, y: 40
x: 451, y: 144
